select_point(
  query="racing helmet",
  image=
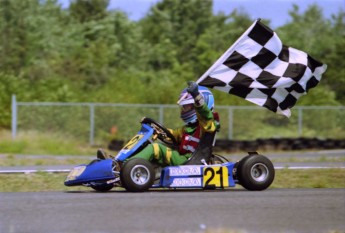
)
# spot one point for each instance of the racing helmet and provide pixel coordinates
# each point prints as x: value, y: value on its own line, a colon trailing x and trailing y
x: 188, y: 114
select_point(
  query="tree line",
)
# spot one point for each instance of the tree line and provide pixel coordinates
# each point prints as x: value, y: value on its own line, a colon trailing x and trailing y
x: 86, y: 53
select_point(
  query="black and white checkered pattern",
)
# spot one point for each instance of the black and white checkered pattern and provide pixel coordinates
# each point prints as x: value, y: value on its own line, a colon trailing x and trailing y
x: 263, y: 71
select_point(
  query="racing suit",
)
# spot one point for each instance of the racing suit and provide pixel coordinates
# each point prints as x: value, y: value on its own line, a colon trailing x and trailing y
x: 188, y: 138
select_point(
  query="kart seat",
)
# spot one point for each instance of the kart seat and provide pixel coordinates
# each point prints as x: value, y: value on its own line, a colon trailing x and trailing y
x: 204, y: 149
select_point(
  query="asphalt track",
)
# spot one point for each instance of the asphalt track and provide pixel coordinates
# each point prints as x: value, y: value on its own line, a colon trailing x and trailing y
x: 222, y: 211
x: 230, y: 210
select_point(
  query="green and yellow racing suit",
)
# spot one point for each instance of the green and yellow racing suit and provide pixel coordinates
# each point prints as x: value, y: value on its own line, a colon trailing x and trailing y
x: 188, y: 138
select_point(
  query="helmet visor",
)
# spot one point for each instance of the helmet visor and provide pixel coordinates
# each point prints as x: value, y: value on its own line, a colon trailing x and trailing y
x: 187, y: 107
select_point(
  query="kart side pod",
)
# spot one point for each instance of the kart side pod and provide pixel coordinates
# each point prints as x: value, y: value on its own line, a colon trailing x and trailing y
x: 198, y: 176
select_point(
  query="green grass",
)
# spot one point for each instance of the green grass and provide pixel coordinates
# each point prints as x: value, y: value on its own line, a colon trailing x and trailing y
x: 34, y: 182
x: 8, y: 160
x: 316, y: 159
x: 311, y: 178
x: 40, y: 144
x: 43, y: 181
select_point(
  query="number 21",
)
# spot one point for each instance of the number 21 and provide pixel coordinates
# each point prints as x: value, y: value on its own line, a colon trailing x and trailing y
x: 215, y: 176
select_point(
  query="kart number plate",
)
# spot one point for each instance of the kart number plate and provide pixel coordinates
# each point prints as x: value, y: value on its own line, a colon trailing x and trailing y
x: 75, y: 172
x: 133, y: 141
x: 215, y: 177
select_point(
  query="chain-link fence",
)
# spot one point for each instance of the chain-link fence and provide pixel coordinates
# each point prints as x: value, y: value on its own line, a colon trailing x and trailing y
x: 100, y: 122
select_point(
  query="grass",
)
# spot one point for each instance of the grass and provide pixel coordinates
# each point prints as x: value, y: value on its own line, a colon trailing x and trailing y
x: 311, y: 178
x: 9, y: 160
x: 35, y: 182
x: 43, y: 181
x: 316, y: 159
x: 41, y: 144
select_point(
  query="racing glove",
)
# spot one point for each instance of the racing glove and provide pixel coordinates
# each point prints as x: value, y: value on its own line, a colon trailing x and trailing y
x: 194, y: 91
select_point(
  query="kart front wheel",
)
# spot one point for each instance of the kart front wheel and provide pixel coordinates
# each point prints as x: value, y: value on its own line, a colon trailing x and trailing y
x: 137, y: 175
x: 255, y: 172
x: 102, y: 187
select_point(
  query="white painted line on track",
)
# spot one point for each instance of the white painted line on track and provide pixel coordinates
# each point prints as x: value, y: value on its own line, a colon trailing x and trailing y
x: 68, y: 170
x: 305, y: 168
x: 34, y: 171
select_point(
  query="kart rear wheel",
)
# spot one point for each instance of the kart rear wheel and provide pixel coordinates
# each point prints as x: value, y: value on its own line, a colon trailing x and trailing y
x: 239, y: 164
x: 255, y: 172
x: 137, y: 175
x: 102, y: 187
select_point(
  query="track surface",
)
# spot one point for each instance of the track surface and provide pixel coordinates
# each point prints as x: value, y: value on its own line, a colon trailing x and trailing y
x: 273, y: 210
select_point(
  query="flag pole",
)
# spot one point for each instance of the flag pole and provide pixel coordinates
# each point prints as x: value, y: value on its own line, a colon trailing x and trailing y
x: 221, y: 59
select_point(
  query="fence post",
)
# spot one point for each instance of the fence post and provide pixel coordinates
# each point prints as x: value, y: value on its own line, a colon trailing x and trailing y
x: 14, y: 117
x: 161, y: 114
x: 300, y: 121
x: 92, y: 123
x: 230, y: 132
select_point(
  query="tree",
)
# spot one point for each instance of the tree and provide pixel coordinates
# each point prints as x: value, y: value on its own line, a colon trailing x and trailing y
x: 87, y: 10
x: 14, y: 34
x: 86, y: 53
x: 323, y: 40
x: 336, y: 69
x: 218, y: 37
x: 178, y: 25
x: 308, y: 31
x: 335, y: 58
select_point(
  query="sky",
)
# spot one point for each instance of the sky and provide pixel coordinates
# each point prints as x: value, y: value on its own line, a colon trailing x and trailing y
x: 275, y: 10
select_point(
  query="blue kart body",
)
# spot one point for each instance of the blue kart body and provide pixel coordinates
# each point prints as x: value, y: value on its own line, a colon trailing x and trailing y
x: 104, y: 174
x: 189, y: 176
x: 96, y: 171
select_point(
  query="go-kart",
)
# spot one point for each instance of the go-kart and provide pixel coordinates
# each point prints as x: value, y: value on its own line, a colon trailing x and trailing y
x: 204, y: 169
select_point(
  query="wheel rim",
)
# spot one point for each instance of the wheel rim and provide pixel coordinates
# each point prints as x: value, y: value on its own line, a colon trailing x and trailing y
x: 140, y: 174
x: 259, y: 172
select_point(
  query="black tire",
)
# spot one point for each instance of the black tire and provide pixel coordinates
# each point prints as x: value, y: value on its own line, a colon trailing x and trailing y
x: 102, y: 187
x: 255, y: 172
x: 137, y: 175
x: 239, y: 164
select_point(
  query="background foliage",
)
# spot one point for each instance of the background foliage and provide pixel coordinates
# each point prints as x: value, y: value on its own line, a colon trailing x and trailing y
x: 88, y: 54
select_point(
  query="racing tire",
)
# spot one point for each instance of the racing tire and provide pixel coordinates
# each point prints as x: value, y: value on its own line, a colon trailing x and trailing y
x: 239, y: 164
x: 255, y: 172
x: 102, y: 187
x: 137, y: 175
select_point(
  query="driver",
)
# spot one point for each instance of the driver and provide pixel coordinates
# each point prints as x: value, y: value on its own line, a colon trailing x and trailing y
x: 196, y: 112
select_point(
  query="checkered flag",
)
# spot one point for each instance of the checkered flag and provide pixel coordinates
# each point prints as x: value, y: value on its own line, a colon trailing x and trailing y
x: 260, y: 69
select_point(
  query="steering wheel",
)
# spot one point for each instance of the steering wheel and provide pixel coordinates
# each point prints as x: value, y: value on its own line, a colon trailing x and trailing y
x: 163, y: 133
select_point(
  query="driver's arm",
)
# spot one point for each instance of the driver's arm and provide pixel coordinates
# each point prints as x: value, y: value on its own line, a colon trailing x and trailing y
x: 204, y: 114
x: 205, y: 118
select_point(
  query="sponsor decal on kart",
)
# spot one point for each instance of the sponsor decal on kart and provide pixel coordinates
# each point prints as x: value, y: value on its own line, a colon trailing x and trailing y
x: 185, y: 171
x: 131, y: 143
x: 75, y: 172
x: 186, y: 182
